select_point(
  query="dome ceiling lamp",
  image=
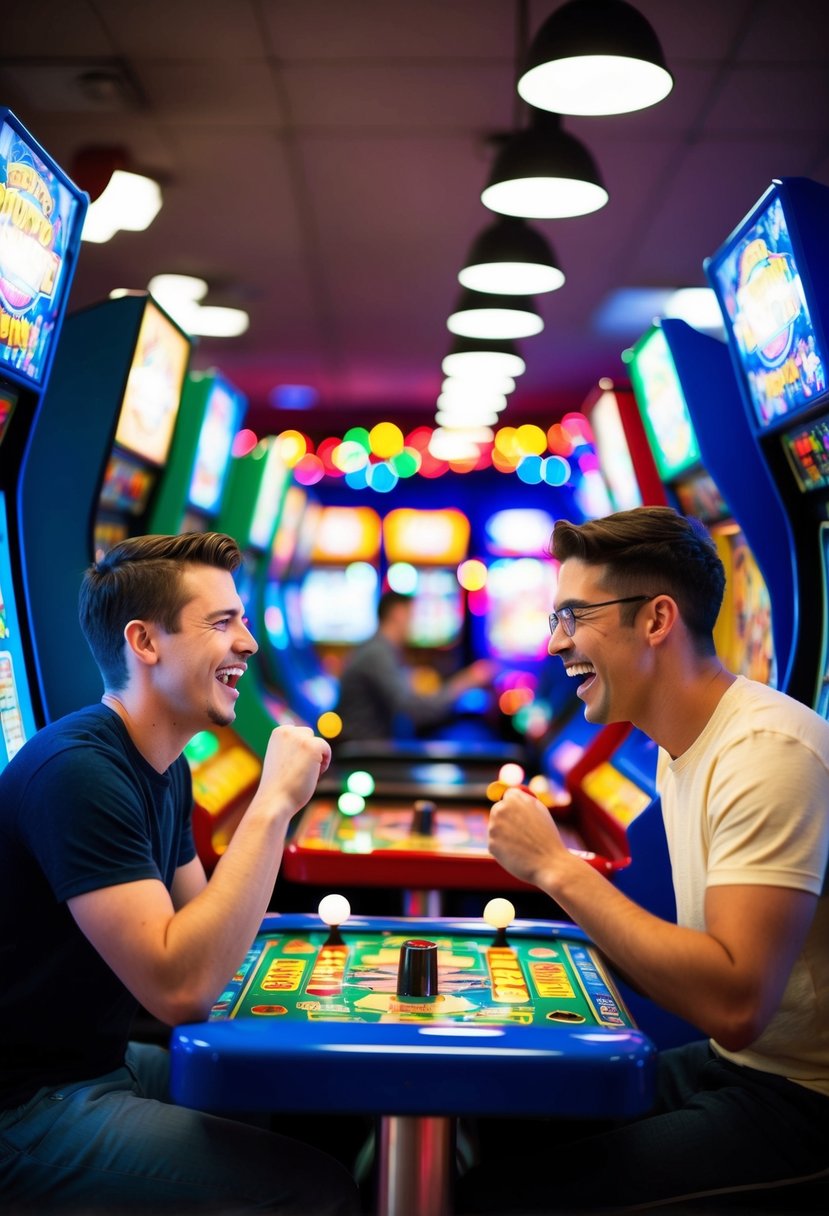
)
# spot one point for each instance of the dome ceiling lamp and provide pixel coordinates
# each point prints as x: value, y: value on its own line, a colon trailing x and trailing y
x: 510, y: 258
x: 480, y: 359
x: 479, y: 315
x: 593, y: 57
x: 543, y: 172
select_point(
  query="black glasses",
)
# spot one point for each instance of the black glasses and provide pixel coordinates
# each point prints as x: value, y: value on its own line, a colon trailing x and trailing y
x: 568, y: 618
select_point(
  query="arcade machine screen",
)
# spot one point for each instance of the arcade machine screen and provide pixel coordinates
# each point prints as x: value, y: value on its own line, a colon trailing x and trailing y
x: 614, y: 453
x: 339, y: 592
x: 38, y: 217
x: 144, y: 430
x: 17, y: 721
x: 434, y: 543
x: 521, y: 584
x: 8, y: 401
x: 664, y: 409
x: 760, y: 288
x: 221, y: 422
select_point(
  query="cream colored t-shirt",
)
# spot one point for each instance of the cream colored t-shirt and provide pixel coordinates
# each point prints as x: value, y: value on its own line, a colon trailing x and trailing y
x: 748, y: 802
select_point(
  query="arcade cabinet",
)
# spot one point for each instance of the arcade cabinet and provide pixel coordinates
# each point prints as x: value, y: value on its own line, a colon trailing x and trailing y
x: 190, y: 493
x: 709, y: 465
x: 94, y: 458
x: 330, y: 592
x: 770, y: 277
x: 626, y: 460
x: 41, y: 217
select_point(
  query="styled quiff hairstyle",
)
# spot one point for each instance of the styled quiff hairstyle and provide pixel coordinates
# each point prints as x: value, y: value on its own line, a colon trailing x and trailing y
x: 141, y: 579
x: 652, y: 551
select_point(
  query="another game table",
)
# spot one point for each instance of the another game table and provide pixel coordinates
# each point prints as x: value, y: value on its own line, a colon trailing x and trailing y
x: 523, y: 1022
x: 425, y: 846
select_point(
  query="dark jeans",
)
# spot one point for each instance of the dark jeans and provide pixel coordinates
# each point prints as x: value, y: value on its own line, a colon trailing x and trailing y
x: 116, y: 1144
x: 715, y: 1128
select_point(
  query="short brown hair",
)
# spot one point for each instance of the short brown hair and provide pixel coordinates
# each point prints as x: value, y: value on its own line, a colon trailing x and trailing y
x: 653, y: 550
x: 140, y: 579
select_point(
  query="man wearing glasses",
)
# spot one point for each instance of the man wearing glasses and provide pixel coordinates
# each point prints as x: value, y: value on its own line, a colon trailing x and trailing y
x: 743, y: 775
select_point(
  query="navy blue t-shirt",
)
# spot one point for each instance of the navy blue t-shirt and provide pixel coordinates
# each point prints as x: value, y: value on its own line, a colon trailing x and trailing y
x: 80, y: 809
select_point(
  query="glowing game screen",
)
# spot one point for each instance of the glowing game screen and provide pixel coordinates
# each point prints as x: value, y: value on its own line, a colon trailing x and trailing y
x: 742, y: 633
x: 287, y: 534
x: 17, y: 722
x: 699, y: 496
x: 757, y: 279
x: 38, y: 217
x: 662, y: 404
x: 519, y: 532
x: 221, y: 422
x: 614, y: 453
x: 347, y: 534
x: 339, y: 605
x: 437, y: 615
x: 154, y: 384
x: 808, y: 451
x: 520, y: 592
x: 426, y: 537
x: 268, y: 499
x: 8, y: 400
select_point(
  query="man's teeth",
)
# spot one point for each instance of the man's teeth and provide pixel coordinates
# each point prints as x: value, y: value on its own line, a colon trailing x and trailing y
x: 581, y: 669
x: 228, y: 673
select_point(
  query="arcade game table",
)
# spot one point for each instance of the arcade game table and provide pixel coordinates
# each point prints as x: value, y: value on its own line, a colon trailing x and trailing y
x: 424, y: 846
x: 417, y: 1022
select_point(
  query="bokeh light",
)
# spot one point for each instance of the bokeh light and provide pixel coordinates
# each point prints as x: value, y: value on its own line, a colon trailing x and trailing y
x: 402, y: 577
x: 351, y: 804
x: 309, y: 470
x: 385, y: 440
x: 292, y: 446
x: 244, y: 442
x: 472, y: 574
x: 329, y: 724
x: 511, y: 774
x: 360, y: 782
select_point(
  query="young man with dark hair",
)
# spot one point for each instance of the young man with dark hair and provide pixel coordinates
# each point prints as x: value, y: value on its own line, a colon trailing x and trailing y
x: 376, y: 693
x: 743, y: 775
x: 104, y: 904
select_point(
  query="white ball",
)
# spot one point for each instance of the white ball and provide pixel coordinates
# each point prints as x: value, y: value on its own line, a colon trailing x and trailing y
x: 334, y: 909
x: 499, y: 913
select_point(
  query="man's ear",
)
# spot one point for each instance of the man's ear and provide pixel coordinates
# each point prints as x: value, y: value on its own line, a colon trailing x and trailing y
x: 140, y: 639
x: 662, y: 618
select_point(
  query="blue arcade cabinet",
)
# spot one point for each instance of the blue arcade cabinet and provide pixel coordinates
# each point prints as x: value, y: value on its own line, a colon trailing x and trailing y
x: 41, y: 217
x: 771, y: 277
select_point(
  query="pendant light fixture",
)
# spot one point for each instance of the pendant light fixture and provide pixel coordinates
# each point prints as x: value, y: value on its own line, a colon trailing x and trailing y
x: 480, y: 315
x: 543, y: 172
x: 479, y: 359
x: 510, y: 258
x: 595, y: 57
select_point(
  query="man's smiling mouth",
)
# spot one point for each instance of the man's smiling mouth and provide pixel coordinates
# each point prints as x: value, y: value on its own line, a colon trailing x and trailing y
x: 230, y: 676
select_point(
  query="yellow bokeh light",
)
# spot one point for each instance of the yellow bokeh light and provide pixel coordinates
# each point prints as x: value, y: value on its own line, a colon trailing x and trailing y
x: 386, y: 440
x: 531, y: 440
x: 505, y: 442
x: 292, y: 446
x: 329, y: 725
x: 472, y: 574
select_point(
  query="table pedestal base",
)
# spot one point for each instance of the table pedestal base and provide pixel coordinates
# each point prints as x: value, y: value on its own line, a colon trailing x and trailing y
x: 416, y: 1160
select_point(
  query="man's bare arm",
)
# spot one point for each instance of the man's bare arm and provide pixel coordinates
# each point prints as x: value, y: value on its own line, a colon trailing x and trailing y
x: 176, y: 960
x: 727, y: 980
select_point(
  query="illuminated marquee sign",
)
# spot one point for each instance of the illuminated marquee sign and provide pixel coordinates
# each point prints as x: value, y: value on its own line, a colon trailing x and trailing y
x: 37, y: 213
